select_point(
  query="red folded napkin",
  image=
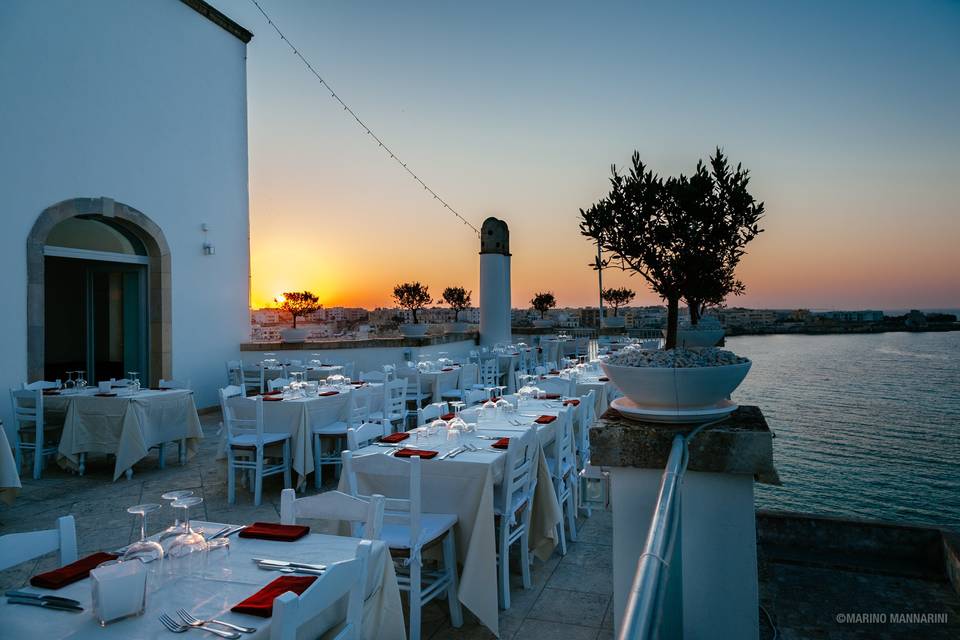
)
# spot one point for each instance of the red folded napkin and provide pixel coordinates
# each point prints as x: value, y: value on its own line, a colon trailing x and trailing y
x: 400, y: 436
x: 604, y: 379
x: 105, y: 395
x: 273, y: 398
x: 275, y: 392
x: 51, y: 392
x: 554, y: 372
x: 68, y: 574
x: 274, y: 531
x: 549, y: 396
x: 328, y: 393
x: 447, y: 369
x: 261, y: 603
x: 574, y: 402
x: 545, y: 419
x: 448, y: 416
x: 502, y: 443
x: 409, y: 453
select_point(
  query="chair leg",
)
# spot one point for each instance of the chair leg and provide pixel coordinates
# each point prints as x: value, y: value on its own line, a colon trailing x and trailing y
x: 525, y: 557
x: 571, y: 514
x: 450, y: 565
x: 83, y: 464
x: 258, y: 479
x: 560, y: 528
x: 286, y: 465
x: 161, y: 456
x: 18, y: 452
x: 317, y: 465
x: 38, y: 458
x: 231, y: 478
x: 415, y: 603
x: 504, y: 564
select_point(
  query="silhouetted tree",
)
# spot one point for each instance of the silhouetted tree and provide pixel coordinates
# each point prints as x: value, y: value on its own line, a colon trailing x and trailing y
x: 617, y: 297
x: 299, y: 304
x: 412, y: 296
x: 458, y: 298
x: 543, y: 302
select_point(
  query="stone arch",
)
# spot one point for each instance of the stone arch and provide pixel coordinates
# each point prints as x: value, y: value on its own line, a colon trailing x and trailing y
x: 159, y: 294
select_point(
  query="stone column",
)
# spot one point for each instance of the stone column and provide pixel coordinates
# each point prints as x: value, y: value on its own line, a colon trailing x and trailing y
x: 717, y: 534
x: 494, y: 282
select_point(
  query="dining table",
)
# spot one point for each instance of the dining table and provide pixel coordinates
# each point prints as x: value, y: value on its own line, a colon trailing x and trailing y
x: 9, y: 474
x: 123, y: 423
x: 299, y: 415
x: 209, y: 584
x: 435, y: 381
x: 465, y: 485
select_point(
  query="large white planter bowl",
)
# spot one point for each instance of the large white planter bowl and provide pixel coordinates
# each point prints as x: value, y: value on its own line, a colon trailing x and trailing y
x: 414, y: 330
x: 682, y: 388
x: 457, y: 327
x: 293, y: 335
x: 694, y: 338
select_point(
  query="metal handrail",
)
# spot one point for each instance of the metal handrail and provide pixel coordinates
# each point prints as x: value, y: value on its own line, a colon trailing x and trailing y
x: 641, y: 620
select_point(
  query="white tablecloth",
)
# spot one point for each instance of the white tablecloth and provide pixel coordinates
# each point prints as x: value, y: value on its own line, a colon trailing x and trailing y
x: 9, y: 474
x: 125, y: 426
x: 465, y: 486
x: 210, y: 587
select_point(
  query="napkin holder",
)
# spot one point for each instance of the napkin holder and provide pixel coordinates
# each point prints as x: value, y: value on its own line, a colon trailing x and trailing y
x: 119, y: 590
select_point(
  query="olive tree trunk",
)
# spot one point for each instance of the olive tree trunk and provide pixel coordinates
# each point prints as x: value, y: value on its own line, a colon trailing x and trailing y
x: 673, y: 316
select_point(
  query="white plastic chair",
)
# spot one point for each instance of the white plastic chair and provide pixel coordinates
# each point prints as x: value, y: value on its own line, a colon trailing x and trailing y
x: 394, y: 410
x: 277, y: 383
x: 585, y: 417
x: 357, y: 411
x: 335, y: 505
x: 42, y: 439
x: 415, y: 397
x: 234, y: 372
x: 16, y: 548
x: 41, y: 384
x: 407, y: 530
x: 246, y: 449
x: 513, y: 506
x: 293, y: 614
x: 251, y: 378
x: 489, y: 373
x: 363, y: 435
x: 466, y: 380
x: 431, y: 412
x: 562, y: 464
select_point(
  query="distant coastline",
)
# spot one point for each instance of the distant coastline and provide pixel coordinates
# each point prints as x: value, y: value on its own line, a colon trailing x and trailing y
x: 825, y: 331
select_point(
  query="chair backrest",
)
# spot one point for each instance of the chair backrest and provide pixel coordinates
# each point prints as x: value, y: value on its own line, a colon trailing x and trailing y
x: 230, y: 391
x: 394, y: 398
x: 519, y: 474
x: 335, y: 505
x: 28, y: 409
x: 358, y: 406
x: 469, y: 375
x: 16, y: 548
x: 174, y: 384
x: 489, y: 372
x: 348, y: 579
x: 362, y: 435
x: 42, y: 384
x: 277, y: 383
x: 402, y: 511
x: 373, y: 376
x: 243, y: 426
x: 234, y: 372
x: 251, y: 377
x: 586, y: 414
x: 432, y: 412
x: 563, y: 442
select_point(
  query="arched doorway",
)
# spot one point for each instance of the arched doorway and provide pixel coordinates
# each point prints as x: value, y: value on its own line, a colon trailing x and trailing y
x: 98, y: 292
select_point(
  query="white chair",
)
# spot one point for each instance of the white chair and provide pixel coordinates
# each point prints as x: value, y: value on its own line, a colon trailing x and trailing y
x: 335, y: 505
x: 512, y: 508
x: 182, y: 443
x: 357, y: 410
x: 585, y: 417
x: 33, y: 434
x: 247, y: 444
x: 431, y: 412
x: 562, y: 464
x: 414, y: 395
x: 489, y: 374
x: 16, y: 548
x: 364, y: 435
x: 407, y: 531
x: 293, y: 614
x: 466, y: 379
x: 251, y: 378
x: 234, y: 372
x: 42, y: 384
x: 394, y: 410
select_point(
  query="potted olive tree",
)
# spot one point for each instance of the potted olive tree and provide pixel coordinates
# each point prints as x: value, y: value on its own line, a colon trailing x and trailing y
x: 298, y: 304
x: 616, y: 297
x: 684, y: 236
x: 543, y: 302
x: 459, y: 299
x: 413, y: 297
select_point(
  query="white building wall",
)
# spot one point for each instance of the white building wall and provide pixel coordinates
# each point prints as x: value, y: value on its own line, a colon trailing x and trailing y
x: 143, y: 102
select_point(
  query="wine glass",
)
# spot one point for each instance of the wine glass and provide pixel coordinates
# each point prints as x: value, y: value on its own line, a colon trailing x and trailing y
x: 69, y: 384
x: 190, y: 541
x: 177, y: 527
x: 134, y: 378
x: 143, y: 549
x: 81, y: 383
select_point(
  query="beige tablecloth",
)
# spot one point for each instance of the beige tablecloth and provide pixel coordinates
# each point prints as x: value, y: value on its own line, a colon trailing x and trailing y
x: 465, y: 486
x: 219, y: 580
x: 126, y: 426
x: 9, y: 474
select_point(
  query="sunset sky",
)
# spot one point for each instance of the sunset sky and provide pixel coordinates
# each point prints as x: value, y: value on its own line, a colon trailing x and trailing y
x: 845, y: 113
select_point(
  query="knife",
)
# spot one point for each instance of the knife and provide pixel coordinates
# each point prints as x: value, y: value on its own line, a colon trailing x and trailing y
x: 41, y: 596
x: 47, y: 604
x: 451, y: 453
x: 294, y: 565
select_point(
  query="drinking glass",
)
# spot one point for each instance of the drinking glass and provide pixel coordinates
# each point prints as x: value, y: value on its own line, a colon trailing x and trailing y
x: 69, y: 384
x: 177, y: 527
x: 145, y: 550
x: 423, y: 436
x: 134, y: 378
x: 190, y: 541
x: 81, y: 382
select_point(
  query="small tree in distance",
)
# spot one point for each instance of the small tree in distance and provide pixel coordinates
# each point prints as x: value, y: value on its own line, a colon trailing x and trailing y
x: 458, y: 298
x: 543, y: 302
x: 412, y: 296
x: 617, y: 297
x: 299, y: 304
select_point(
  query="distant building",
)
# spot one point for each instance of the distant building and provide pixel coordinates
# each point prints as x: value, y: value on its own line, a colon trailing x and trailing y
x: 853, y: 316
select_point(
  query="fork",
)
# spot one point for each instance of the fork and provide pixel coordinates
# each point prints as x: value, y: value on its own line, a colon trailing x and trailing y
x: 176, y: 627
x: 193, y: 621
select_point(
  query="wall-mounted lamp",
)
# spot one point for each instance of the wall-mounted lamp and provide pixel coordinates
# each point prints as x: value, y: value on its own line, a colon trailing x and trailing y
x: 208, y: 248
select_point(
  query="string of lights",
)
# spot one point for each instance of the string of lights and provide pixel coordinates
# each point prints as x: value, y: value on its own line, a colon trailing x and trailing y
x: 363, y: 125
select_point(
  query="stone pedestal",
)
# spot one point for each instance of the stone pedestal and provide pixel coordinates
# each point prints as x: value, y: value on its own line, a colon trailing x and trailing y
x: 718, y: 525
